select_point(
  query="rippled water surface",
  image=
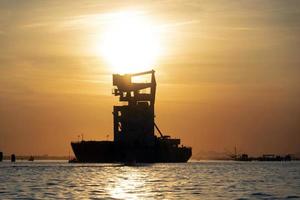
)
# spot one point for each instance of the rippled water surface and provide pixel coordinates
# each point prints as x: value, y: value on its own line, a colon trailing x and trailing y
x: 193, y: 180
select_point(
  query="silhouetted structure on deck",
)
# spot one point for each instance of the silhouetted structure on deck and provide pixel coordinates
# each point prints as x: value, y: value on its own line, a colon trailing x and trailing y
x: 134, y: 128
x: 134, y: 122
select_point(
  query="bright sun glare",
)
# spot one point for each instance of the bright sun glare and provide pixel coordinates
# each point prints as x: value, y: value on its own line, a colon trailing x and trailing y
x: 130, y: 43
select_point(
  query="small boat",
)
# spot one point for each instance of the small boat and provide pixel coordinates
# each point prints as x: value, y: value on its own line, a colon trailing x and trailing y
x: 31, y: 158
x: 13, y: 158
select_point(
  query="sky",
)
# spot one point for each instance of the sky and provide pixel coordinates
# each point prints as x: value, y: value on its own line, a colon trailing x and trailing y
x: 227, y: 73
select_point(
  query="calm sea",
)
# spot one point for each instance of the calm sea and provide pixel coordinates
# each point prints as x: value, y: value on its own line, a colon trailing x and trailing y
x: 193, y: 180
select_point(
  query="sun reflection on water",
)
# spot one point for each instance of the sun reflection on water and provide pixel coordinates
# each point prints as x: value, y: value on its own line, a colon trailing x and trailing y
x: 203, y: 180
x: 126, y: 185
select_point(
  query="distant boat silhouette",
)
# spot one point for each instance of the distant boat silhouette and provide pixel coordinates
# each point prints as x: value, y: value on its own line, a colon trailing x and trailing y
x: 13, y: 158
x: 31, y: 158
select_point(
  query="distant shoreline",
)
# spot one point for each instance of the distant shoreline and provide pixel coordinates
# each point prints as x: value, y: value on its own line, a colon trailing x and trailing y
x: 6, y: 157
x: 66, y: 158
x: 50, y: 157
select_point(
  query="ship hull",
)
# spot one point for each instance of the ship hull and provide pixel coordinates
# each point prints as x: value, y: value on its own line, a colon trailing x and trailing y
x: 111, y: 152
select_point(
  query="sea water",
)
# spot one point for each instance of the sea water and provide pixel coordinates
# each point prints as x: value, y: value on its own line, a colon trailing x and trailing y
x: 193, y: 180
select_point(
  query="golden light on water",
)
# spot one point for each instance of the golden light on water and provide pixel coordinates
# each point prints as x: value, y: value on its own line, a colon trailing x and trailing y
x: 130, y: 43
x: 127, y: 185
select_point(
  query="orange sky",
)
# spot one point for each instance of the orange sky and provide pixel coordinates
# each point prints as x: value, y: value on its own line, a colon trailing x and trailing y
x: 227, y: 74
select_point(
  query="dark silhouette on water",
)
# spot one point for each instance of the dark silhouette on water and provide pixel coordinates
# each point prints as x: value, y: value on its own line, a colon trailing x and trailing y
x: 134, y: 128
x: 31, y: 158
x: 1, y: 156
x: 264, y: 157
x: 272, y: 157
x: 13, y: 158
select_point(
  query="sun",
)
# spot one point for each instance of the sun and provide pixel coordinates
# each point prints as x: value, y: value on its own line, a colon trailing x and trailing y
x: 130, y: 43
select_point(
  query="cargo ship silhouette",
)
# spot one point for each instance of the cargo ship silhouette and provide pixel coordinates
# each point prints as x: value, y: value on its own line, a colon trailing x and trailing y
x: 134, y: 128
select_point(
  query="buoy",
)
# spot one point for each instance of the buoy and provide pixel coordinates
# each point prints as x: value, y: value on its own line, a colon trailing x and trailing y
x: 13, y: 158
